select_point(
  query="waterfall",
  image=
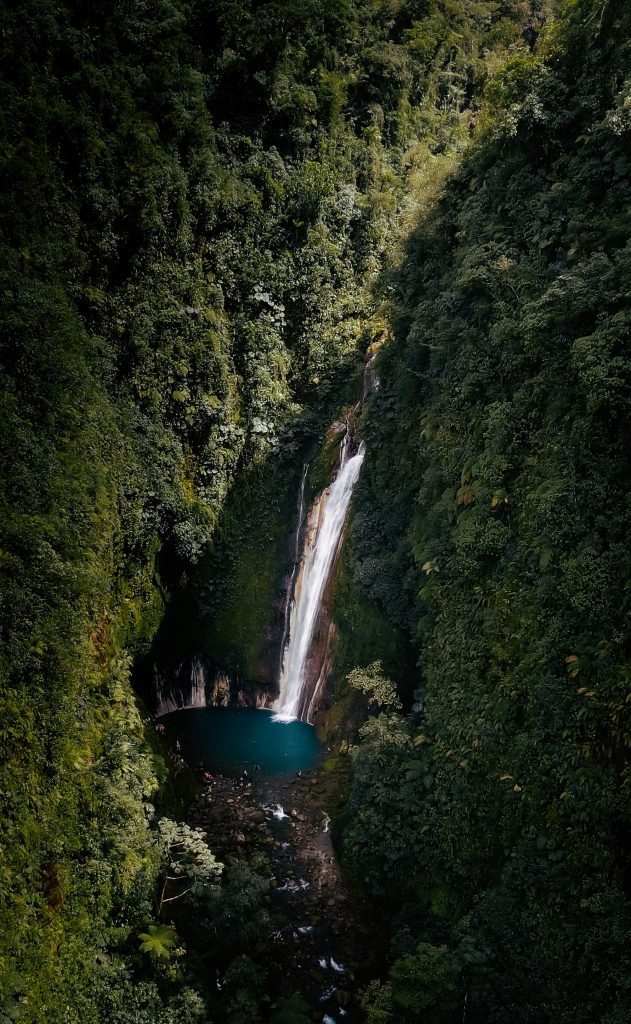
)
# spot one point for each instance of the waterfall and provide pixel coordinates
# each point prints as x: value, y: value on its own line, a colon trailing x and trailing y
x: 321, y: 546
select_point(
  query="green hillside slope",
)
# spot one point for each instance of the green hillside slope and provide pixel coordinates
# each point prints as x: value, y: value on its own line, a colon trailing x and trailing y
x: 494, y: 519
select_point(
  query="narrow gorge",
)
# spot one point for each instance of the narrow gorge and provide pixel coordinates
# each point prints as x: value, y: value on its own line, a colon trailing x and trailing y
x: 263, y: 793
x: 315, y: 401
x: 306, y: 634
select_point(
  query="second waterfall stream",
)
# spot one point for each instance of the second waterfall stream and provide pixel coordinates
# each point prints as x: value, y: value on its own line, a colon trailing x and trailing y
x: 323, y: 537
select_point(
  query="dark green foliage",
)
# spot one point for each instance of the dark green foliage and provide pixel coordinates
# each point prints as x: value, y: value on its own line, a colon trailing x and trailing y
x: 494, y: 519
x: 365, y: 632
x: 172, y: 287
x: 291, y: 1010
x: 194, y: 199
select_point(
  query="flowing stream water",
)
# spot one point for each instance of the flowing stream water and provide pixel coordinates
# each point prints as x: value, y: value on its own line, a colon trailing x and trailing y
x: 322, y: 545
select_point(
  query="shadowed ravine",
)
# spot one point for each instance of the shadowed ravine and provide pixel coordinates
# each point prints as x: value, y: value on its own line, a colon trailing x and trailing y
x: 305, y: 640
x: 262, y: 791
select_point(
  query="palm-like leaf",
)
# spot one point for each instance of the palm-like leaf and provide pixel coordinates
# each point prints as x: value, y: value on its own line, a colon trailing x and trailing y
x: 158, y: 940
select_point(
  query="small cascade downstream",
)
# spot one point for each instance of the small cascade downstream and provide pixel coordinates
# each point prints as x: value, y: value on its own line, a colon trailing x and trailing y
x: 320, y: 943
x: 325, y: 528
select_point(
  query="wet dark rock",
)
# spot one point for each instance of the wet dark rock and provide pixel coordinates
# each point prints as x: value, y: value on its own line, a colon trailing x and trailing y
x: 297, y: 849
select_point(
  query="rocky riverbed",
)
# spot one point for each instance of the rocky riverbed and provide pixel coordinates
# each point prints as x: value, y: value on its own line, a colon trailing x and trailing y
x: 321, y: 944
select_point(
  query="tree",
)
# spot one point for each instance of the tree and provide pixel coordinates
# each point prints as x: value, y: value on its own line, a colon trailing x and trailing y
x: 158, y: 940
x: 381, y: 691
x: 188, y: 861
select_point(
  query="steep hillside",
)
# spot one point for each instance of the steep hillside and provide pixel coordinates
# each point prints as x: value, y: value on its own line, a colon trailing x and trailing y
x: 195, y: 199
x: 494, y: 521
x: 209, y: 209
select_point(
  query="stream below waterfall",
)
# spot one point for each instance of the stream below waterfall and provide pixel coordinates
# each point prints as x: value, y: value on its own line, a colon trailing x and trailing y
x: 264, y: 791
x: 321, y: 943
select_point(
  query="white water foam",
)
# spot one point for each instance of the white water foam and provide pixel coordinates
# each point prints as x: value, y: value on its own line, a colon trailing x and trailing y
x: 278, y: 813
x: 318, y: 561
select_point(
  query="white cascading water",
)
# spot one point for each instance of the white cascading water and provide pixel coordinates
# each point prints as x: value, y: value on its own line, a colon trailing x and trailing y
x: 319, y: 559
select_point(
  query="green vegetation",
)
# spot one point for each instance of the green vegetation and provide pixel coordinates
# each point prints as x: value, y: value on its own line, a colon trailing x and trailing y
x: 235, y: 588
x: 207, y: 207
x: 363, y: 634
x: 195, y: 199
x: 494, y: 520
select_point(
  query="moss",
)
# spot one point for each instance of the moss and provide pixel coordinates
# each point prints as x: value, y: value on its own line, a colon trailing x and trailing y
x: 341, y: 722
x: 334, y: 778
x: 141, y: 606
x: 364, y: 632
x: 236, y: 634
x: 325, y: 461
x: 257, y: 529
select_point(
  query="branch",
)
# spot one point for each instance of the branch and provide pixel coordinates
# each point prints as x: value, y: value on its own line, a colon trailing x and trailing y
x: 171, y: 898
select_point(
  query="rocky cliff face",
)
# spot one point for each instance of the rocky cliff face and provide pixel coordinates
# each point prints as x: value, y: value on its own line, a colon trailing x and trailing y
x: 196, y: 682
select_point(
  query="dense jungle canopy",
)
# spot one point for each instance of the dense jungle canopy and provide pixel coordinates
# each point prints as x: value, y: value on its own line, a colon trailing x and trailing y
x: 209, y: 210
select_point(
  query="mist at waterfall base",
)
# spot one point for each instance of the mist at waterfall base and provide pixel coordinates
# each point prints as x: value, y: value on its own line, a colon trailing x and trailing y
x: 230, y: 740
